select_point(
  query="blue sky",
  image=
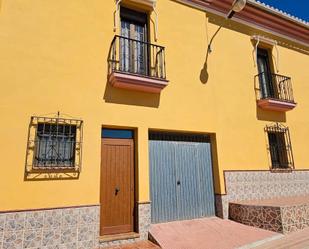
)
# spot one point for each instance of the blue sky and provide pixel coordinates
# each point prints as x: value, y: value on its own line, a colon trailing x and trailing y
x: 299, y: 8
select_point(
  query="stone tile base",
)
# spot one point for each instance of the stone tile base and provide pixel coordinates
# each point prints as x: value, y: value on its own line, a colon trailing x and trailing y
x: 144, y: 221
x: 259, y: 185
x: 284, y: 219
x: 74, y: 227
x: 63, y: 228
x: 268, y: 218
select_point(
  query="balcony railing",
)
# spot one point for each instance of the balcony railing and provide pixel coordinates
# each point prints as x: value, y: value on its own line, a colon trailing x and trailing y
x: 275, y: 86
x: 274, y: 92
x: 136, y: 57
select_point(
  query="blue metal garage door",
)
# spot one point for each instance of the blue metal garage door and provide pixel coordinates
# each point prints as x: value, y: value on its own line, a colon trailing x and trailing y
x: 181, y: 177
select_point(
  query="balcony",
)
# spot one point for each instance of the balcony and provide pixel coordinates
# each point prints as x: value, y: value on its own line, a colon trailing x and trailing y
x: 275, y: 92
x: 136, y: 65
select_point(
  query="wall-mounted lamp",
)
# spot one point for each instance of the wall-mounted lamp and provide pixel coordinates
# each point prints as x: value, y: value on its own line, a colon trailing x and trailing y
x: 237, y: 6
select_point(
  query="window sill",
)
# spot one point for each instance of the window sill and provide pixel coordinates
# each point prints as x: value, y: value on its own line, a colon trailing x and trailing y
x: 281, y: 170
x: 276, y: 105
x: 137, y: 82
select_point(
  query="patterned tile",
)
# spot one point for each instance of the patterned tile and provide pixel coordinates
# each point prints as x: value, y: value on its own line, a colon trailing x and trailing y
x: 2, y: 222
x: 12, y: 240
x: 1, y: 238
x: 15, y: 221
x: 251, y: 185
x: 85, y: 244
x: 96, y: 231
x: 34, y: 220
x: 87, y: 215
x: 85, y: 233
x: 70, y: 217
x: 51, y: 237
x: 53, y: 247
x: 257, y: 216
x: 68, y: 234
x: 52, y: 218
x: 32, y: 238
x: 50, y: 229
x: 144, y: 217
x: 69, y: 246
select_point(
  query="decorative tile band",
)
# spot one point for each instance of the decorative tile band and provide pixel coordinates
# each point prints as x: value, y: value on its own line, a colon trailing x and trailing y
x: 76, y: 227
x: 71, y: 228
x: 258, y: 185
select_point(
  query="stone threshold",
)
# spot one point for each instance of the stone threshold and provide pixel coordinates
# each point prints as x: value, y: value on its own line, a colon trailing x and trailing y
x: 122, y: 236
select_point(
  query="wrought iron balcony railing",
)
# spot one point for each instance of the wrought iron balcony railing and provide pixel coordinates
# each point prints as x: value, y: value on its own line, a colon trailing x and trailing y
x: 275, y: 86
x: 136, y: 57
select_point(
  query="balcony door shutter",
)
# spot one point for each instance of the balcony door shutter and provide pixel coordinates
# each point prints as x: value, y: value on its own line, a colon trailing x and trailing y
x: 133, y: 44
x: 264, y: 73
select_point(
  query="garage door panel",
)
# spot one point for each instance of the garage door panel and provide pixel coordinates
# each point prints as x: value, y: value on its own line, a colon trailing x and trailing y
x: 181, y: 180
x: 206, y: 179
x: 163, y: 184
x: 188, y: 194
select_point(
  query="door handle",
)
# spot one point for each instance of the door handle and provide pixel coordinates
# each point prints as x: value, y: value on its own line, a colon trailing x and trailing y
x: 178, y: 182
x: 117, y: 190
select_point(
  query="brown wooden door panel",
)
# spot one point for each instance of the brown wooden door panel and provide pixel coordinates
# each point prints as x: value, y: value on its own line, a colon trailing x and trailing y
x: 117, y: 186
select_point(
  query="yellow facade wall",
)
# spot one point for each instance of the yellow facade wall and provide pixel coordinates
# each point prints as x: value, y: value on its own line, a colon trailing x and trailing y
x: 53, y: 57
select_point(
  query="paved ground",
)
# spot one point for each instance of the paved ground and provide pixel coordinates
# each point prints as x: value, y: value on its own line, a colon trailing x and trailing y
x: 296, y: 240
x: 138, y: 245
x: 208, y: 233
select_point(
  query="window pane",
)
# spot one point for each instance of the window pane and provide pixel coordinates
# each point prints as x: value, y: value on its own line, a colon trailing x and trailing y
x: 111, y: 133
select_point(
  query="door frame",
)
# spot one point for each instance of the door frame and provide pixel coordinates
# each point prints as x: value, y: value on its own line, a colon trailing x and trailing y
x: 135, y: 172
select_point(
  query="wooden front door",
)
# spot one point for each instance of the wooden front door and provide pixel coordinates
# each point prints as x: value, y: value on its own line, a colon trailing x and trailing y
x: 117, y: 186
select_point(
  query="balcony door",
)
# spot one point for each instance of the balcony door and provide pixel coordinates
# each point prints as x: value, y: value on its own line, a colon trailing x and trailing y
x: 265, y: 74
x: 133, y: 42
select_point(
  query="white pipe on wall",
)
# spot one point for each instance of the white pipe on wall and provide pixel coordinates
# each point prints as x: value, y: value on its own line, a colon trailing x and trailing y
x: 156, y: 22
x: 115, y: 14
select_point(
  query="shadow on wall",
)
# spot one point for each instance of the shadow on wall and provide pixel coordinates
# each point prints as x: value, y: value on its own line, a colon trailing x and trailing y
x: 266, y: 115
x: 270, y: 115
x: 48, y: 175
x: 204, y: 74
x: 215, y: 164
x: 204, y: 71
x: 127, y: 97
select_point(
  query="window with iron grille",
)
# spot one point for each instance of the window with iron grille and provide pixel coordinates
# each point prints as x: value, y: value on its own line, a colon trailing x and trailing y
x: 279, y: 147
x: 54, y: 143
